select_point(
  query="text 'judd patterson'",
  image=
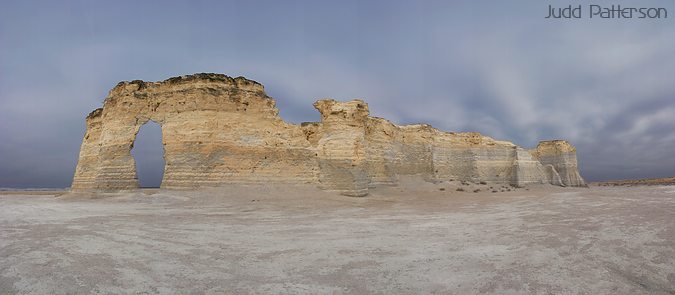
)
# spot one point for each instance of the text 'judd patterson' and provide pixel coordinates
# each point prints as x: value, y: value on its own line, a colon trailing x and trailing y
x: 607, y: 12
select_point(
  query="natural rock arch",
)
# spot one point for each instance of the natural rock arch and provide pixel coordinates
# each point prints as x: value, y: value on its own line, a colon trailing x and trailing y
x: 147, y: 150
x: 219, y: 130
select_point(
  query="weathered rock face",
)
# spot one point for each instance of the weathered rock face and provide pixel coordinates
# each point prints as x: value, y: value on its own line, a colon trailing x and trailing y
x: 219, y: 130
x: 215, y: 130
x: 560, y: 158
x: 341, y: 151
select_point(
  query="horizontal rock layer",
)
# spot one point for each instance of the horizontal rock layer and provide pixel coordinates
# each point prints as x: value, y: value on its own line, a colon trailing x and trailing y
x: 219, y: 130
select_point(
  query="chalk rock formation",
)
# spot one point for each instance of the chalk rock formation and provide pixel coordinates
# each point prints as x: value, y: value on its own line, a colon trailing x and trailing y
x: 215, y: 130
x: 341, y: 151
x: 219, y: 130
x: 560, y: 158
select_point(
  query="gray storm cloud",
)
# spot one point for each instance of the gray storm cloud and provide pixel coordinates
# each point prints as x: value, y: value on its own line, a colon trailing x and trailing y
x: 494, y: 67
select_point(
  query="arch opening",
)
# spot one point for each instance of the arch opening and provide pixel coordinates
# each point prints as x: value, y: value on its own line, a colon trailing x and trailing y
x: 148, y: 153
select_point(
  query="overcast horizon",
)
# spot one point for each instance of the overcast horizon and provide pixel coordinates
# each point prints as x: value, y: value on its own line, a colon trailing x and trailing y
x: 493, y: 67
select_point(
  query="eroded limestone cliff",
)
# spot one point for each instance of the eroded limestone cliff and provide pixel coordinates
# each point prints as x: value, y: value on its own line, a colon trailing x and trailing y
x: 219, y: 130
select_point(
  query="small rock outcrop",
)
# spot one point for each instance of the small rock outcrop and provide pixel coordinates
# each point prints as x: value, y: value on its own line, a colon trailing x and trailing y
x: 219, y: 130
x: 560, y: 159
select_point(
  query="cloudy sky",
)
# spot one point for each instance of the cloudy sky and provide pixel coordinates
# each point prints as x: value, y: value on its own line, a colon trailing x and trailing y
x: 497, y: 67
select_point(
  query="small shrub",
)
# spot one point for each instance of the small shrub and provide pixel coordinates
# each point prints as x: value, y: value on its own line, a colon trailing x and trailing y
x: 459, y: 189
x: 476, y: 190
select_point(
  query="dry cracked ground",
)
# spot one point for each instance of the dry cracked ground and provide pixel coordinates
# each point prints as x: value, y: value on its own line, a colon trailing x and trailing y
x: 292, y: 240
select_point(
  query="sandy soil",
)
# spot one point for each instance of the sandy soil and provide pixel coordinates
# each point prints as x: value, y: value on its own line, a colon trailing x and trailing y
x: 292, y: 240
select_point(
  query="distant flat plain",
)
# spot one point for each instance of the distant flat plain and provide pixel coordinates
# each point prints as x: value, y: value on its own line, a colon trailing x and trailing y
x: 418, y: 238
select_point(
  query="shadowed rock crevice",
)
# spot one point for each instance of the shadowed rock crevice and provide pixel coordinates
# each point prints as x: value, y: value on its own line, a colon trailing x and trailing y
x: 219, y: 130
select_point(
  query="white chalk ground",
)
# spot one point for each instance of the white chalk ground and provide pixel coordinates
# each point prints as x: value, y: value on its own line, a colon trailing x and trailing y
x: 293, y: 240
